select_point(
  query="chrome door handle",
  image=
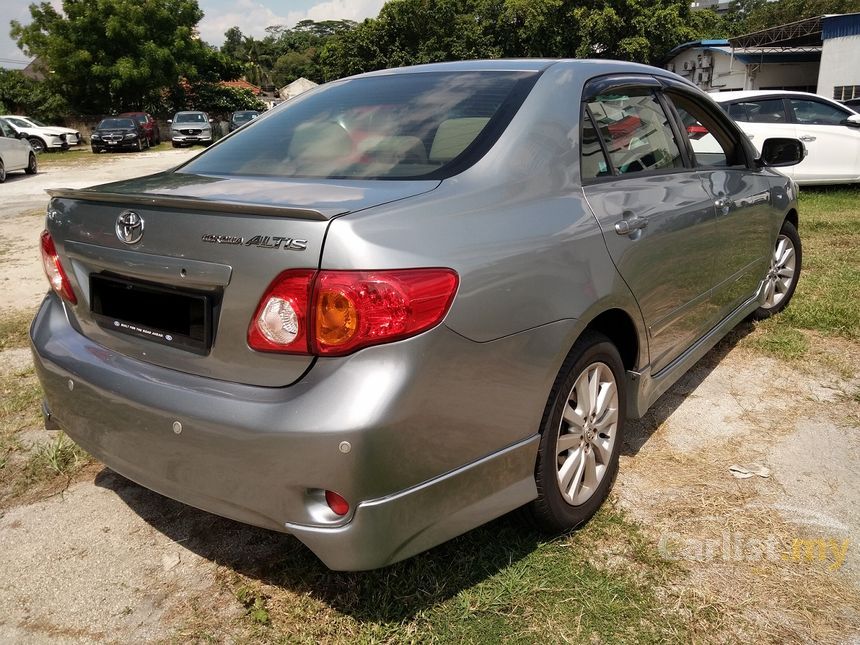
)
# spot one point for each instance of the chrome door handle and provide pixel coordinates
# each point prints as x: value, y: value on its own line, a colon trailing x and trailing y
x: 807, y: 137
x: 627, y: 226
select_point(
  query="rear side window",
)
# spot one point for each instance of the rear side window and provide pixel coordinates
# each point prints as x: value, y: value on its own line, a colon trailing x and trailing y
x: 635, y: 130
x: 401, y: 126
x: 816, y: 113
x: 765, y: 111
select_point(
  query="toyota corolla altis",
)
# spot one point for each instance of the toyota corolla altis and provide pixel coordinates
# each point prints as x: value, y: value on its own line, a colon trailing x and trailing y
x: 408, y: 302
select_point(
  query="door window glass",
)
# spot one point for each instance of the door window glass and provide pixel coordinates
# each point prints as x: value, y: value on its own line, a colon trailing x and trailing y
x: 815, y: 113
x: 712, y: 143
x: 765, y: 111
x: 636, y: 131
x: 6, y: 131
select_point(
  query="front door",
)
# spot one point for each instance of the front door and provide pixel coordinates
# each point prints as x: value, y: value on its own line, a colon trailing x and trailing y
x: 657, y: 219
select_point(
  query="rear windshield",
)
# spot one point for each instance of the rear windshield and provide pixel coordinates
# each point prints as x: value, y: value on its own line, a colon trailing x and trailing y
x: 115, y: 123
x: 402, y: 126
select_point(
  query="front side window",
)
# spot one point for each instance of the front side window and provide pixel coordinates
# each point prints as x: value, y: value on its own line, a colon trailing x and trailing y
x: 19, y: 123
x: 816, y: 113
x: 400, y: 126
x: 635, y: 131
x: 711, y: 142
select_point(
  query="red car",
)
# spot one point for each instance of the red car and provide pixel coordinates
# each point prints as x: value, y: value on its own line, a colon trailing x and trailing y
x: 150, y: 126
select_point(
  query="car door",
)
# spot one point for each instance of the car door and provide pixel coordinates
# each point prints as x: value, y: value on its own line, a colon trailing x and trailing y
x: 763, y: 118
x: 741, y: 196
x: 14, y: 151
x: 656, y: 217
x: 833, y: 148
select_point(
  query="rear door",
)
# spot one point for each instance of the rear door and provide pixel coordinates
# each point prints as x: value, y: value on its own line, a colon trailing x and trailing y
x: 740, y: 194
x: 657, y: 219
x: 833, y: 149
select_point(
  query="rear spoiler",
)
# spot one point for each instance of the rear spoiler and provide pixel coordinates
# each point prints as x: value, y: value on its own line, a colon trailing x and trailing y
x: 186, y: 203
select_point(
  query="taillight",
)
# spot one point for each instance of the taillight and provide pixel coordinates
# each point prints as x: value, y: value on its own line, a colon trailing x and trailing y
x: 54, y: 269
x: 280, y: 322
x: 349, y: 309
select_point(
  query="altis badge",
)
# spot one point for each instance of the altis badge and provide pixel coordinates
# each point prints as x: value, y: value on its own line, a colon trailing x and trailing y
x: 260, y: 241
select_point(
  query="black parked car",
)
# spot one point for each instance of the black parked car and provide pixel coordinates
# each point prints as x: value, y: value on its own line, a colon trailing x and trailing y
x: 119, y: 133
x: 240, y: 118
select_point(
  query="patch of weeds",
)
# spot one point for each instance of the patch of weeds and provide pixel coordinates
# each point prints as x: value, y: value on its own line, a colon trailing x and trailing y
x: 779, y: 339
x: 14, y: 329
x: 254, y: 603
x: 61, y: 456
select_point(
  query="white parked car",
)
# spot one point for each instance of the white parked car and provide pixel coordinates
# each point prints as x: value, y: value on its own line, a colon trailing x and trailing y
x: 15, y: 153
x: 43, y: 137
x: 830, y: 130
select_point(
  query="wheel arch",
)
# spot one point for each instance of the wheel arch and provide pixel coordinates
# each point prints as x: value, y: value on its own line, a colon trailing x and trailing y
x: 791, y: 216
x: 620, y: 328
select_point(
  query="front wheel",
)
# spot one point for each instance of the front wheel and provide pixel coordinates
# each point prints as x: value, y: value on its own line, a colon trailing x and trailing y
x: 781, y: 279
x: 581, y: 436
x: 2, y: 172
x: 32, y: 165
x: 37, y: 144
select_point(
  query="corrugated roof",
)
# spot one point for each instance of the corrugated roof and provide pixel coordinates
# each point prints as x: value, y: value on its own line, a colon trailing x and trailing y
x: 839, y: 26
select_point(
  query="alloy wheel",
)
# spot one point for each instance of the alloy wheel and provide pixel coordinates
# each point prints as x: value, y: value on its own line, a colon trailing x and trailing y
x: 37, y: 144
x: 586, y: 434
x: 782, y: 272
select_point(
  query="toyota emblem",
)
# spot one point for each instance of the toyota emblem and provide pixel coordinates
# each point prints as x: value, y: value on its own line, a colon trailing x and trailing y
x: 129, y: 227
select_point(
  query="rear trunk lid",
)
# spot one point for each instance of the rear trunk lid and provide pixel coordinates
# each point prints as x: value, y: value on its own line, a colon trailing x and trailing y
x: 183, y: 294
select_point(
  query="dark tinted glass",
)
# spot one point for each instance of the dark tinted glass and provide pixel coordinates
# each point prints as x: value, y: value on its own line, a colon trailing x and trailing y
x: 593, y: 160
x: 766, y: 111
x: 115, y: 123
x: 817, y: 113
x: 393, y: 127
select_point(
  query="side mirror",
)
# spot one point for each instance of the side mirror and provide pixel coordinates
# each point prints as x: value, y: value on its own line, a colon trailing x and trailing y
x: 779, y: 152
x: 170, y: 120
x: 21, y: 136
x: 852, y: 121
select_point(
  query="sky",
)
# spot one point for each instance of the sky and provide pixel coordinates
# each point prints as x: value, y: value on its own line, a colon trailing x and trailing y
x: 251, y: 16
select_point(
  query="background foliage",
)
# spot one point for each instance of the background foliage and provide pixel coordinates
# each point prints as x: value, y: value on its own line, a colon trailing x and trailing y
x: 103, y: 56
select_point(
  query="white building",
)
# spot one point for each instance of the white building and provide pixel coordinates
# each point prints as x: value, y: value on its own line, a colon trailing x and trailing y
x: 298, y: 86
x: 839, y: 76
x: 820, y: 54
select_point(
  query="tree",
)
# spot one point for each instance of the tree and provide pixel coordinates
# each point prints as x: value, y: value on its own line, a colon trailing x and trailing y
x: 22, y: 95
x: 112, y: 55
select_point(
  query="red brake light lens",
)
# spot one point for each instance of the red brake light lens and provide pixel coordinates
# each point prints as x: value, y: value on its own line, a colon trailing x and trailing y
x: 333, y: 313
x: 280, y: 323
x: 54, y: 269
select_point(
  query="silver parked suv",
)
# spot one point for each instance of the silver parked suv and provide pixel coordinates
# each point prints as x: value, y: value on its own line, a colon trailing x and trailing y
x: 408, y: 302
x: 188, y: 128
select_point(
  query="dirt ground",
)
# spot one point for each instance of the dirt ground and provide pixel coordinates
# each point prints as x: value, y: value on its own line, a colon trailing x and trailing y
x: 106, y: 560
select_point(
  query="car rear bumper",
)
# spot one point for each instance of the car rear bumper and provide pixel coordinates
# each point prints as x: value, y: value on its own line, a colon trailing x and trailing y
x: 263, y: 455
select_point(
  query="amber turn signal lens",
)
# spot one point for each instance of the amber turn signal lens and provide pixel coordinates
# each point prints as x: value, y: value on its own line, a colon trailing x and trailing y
x: 336, y: 318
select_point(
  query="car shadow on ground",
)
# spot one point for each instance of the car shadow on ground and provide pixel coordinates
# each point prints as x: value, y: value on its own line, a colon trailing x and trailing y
x: 394, y: 593
x: 638, y: 432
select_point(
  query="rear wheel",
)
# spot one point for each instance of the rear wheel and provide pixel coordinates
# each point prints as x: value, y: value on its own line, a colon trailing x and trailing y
x: 781, y: 279
x: 37, y: 144
x: 581, y: 436
x: 32, y: 165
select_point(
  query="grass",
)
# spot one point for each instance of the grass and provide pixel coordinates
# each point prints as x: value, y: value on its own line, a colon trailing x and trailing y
x: 827, y: 296
x: 14, y: 329
x: 604, y: 583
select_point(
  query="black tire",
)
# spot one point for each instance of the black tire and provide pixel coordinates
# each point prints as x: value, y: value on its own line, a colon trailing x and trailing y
x: 96, y: 150
x: 2, y: 172
x: 32, y: 165
x: 175, y: 145
x: 788, y: 231
x: 37, y: 144
x: 551, y: 512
